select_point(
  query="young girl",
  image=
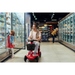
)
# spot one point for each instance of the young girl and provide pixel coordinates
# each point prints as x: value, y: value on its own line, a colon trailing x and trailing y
x: 10, y: 40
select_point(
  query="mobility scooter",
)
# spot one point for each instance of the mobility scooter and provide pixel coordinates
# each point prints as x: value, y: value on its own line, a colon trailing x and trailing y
x: 30, y: 48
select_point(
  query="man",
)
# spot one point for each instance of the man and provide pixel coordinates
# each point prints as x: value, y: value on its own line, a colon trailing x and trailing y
x: 54, y: 33
x: 36, y: 35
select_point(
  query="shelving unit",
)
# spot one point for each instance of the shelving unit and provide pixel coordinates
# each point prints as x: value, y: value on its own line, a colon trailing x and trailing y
x: 15, y: 27
x: 10, y: 22
x: 22, y: 33
x: 74, y: 30
x: 68, y: 24
x: 68, y: 29
x: 44, y: 33
x: 48, y: 32
x: 2, y: 32
x: 44, y: 36
x: 71, y: 29
x: 18, y: 28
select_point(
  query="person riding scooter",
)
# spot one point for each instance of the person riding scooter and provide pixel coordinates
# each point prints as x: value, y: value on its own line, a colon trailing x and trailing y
x: 35, y: 35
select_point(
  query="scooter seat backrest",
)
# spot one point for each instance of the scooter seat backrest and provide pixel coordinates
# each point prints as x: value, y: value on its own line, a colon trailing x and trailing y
x: 30, y: 47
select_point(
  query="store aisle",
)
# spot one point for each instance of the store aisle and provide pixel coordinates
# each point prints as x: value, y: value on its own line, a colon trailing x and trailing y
x: 50, y: 53
x: 51, y: 39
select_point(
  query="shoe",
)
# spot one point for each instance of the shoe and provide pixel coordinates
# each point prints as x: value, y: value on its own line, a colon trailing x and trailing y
x: 12, y: 56
x: 34, y: 54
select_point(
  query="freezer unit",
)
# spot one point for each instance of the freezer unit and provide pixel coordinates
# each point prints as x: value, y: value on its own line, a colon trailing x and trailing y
x: 68, y: 32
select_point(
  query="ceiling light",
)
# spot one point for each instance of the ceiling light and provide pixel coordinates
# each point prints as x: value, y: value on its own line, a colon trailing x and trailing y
x: 35, y: 18
x: 52, y: 15
x: 49, y: 25
x: 33, y: 14
x: 45, y: 25
x: 42, y: 27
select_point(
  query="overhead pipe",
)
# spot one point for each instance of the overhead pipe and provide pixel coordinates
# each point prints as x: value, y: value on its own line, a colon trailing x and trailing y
x: 34, y: 16
x: 52, y: 15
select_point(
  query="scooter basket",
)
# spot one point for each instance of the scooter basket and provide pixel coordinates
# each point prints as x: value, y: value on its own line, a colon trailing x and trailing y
x: 30, y: 47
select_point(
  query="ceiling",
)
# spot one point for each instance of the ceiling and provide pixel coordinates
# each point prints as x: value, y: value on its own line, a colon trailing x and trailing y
x: 48, y: 17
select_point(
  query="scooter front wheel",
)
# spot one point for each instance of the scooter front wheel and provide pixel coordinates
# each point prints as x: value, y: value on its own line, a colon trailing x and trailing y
x: 25, y: 58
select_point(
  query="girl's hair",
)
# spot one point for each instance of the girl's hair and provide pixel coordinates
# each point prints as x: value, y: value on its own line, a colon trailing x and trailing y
x: 13, y: 33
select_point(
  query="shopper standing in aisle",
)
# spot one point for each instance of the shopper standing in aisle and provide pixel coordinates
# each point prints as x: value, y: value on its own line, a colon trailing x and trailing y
x: 10, y: 41
x: 54, y: 33
x: 36, y: 35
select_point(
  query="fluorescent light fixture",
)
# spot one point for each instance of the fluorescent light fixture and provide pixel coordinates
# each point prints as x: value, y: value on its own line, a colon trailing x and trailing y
x: 49, y: 25
x: 52, y: 15
x: 42, y: 27
x: 35, y: 18
x: 45, y: 25
x: 33, y: 14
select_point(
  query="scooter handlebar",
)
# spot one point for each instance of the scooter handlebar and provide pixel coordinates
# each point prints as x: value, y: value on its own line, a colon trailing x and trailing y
x: 32, y: 40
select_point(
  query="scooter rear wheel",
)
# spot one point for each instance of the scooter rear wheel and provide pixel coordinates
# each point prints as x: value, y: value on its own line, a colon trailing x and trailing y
x: 40, y: 55
x: 37, y: 59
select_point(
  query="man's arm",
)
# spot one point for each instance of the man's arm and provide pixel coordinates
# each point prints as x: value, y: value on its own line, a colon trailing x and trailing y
x: 39, y: 37
x: 29, y: 37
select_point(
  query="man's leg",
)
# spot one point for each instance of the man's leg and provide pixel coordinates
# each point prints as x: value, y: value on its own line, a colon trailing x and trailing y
x: 36, y: 47
x: 53, y: 38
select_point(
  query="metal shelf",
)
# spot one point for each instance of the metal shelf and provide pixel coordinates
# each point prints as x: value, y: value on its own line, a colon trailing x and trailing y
x: 2, y: 26
x: 8, y: 17
x: 2, y: 14
x: 2, y: 32
x: 2, y: 20
x: 8, y: 23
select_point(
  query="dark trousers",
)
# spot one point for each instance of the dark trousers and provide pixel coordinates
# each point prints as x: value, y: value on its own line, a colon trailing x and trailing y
x: 53, y: 38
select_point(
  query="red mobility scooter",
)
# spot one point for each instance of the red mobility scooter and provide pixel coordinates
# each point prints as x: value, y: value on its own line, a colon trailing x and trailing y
x: 30, y: 48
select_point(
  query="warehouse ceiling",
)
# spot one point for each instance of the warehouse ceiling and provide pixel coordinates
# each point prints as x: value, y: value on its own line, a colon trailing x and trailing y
x: 47, y: 17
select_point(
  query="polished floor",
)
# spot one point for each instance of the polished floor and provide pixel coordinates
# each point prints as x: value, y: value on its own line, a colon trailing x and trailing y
x: 50, y: 53
x: 51, y: 39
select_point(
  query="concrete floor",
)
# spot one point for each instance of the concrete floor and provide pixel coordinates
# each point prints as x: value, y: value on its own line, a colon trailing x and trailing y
x: 50, y: 53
